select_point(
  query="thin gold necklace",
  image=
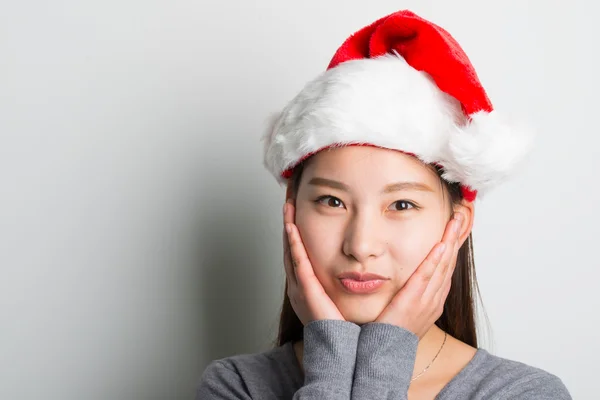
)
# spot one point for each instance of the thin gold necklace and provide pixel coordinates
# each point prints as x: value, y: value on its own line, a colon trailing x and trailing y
x: 438, y: 353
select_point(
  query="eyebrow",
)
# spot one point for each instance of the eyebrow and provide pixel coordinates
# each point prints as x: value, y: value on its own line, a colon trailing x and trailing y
x: 393, y: 187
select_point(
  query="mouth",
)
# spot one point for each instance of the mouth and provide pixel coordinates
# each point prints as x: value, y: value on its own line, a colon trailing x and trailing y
x: 361, y: 283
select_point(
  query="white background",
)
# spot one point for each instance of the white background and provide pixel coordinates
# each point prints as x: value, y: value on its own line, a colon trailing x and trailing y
x: 140, y: 235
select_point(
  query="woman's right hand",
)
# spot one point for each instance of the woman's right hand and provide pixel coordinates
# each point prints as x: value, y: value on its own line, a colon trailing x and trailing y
x: 307, y: 296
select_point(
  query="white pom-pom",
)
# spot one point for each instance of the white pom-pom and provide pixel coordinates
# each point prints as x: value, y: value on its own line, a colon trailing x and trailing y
x: 486, y: 151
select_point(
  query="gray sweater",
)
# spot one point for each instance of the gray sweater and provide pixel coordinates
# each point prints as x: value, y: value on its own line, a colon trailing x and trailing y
x: 345, y: 361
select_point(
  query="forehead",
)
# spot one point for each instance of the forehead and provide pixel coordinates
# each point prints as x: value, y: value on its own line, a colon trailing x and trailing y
x: 369, y: 167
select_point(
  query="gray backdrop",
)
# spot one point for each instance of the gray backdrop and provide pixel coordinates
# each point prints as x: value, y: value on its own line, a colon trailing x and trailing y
x: 140, y: 236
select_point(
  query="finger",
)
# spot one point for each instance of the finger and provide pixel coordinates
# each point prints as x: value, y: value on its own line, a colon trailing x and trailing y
x: 436, y: 259
x: 305, y: 274
x: 288, y: 213
x: 442, y: 294
x: 451, y: 236
x: 419, y: 280
x: 443, y: 278
x: 448, y: 267
x: 287, y: 259
x: 452, y: 266
x: 453, y: 229
x: 427, y: 269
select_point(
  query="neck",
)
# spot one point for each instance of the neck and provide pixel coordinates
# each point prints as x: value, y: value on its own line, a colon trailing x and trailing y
x: 428, y: 347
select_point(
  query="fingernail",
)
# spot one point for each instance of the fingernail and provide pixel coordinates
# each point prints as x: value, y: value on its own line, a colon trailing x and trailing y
x: 288, y: 228
x: 458, y: 221
x: 457, y: 225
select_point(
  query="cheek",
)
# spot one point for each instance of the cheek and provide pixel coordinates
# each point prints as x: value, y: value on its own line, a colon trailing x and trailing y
x: 412, y: 241
x: 321, y: 238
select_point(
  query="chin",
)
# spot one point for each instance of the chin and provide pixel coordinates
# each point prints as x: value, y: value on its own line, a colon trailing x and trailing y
x: 361, y: 309
x: 360, y: 319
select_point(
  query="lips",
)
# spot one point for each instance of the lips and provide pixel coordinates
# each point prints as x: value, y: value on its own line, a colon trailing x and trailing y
x: 358, y: 276
x: 361, y: 283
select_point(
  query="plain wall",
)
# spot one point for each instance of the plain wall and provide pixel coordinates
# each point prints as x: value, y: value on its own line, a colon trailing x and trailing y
x: 140, y: 235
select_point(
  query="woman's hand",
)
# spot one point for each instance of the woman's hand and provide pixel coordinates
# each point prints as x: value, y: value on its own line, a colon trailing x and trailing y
x: 420, y: 302
x: 307, y: 296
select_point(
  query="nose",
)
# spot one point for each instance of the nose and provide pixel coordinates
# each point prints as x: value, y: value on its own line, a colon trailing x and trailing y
x: 362, y: 239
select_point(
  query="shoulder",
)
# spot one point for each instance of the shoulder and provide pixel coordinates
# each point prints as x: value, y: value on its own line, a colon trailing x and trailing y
x: 276, y: 360
x: 269, y: 374
x: 495, y: 377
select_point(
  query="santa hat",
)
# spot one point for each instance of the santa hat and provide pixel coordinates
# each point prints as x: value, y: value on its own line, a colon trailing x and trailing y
x: 401, y: 83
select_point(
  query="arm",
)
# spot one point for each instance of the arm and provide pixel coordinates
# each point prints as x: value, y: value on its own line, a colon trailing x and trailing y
x: 329, y: 360
x: 384, y: 362
x: 329, y: 340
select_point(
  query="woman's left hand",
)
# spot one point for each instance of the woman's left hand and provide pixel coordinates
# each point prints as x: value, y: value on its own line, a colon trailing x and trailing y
x: 420, y: 302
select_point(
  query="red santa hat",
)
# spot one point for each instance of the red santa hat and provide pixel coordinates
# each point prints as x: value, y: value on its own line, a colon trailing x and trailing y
x: 401, y: 83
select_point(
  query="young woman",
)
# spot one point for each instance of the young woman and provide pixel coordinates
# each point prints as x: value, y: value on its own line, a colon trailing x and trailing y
x: 383, y: 156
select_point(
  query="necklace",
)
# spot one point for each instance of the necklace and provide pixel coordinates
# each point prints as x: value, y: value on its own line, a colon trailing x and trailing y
x: 438, y: 353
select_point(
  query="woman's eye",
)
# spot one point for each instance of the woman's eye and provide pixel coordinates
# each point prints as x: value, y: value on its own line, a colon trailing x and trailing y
x: 330, y: 201
x: 402, y: 205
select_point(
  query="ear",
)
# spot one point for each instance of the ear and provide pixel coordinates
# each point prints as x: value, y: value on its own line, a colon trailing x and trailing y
x: 467, y: 209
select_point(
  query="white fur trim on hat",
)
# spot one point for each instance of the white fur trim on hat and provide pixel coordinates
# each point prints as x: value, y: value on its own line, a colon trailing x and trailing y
x: 385, y: 102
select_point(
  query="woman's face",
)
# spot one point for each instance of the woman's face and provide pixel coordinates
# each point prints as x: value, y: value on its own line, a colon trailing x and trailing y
x: 368, y: 210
